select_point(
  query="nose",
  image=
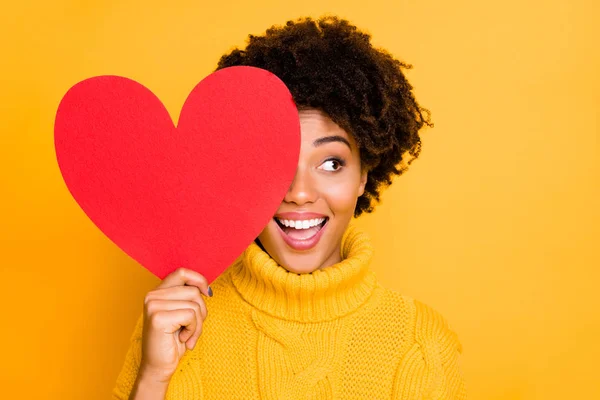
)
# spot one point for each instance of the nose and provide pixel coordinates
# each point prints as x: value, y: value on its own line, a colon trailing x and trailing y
x: 302, y: 190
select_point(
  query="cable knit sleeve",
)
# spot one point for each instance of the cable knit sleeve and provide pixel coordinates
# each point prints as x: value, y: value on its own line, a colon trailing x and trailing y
x: 430, y: 369
x: 129, y: 370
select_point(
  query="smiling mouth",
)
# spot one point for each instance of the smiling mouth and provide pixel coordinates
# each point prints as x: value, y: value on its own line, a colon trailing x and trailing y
x: 301, y: 230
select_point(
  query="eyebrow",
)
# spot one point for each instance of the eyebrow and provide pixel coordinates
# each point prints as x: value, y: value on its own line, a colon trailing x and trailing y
x: 330, y: 139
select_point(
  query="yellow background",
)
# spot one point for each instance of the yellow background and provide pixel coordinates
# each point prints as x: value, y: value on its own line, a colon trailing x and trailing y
x: 496, y: 225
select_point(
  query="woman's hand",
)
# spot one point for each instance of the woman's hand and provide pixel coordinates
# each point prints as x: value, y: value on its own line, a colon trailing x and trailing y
x: 173, y: 315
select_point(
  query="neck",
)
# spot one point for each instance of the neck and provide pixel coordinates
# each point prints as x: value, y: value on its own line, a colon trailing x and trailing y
x: 324, y: 294
x: 333, y: 258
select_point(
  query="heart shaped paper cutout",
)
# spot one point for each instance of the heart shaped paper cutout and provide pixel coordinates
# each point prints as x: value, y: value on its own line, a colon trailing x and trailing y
x: 192, y: 196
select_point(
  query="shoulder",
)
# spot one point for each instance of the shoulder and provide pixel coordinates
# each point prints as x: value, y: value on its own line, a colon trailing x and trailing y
x: 138, y: 328
x: 427, y: 326
x: 432, y: 327
x: 431, y: 366
x: 437, y: 341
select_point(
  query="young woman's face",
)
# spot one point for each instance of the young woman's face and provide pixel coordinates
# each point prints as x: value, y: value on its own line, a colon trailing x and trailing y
x: 306, y: 232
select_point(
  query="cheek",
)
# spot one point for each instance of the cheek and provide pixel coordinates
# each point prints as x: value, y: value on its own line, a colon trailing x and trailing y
x: 341, y: 197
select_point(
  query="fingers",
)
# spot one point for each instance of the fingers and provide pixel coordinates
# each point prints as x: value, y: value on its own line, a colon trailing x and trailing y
x: 200, y: 312
x: 189, y: 293
x: 174, y: 313
x: 166, y: 309
x: 176, y: 320
x: 185, y: 276
x: 170, y: 321
x: 176, y: 306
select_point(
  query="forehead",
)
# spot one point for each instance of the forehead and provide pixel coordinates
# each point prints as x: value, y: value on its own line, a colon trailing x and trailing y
x: 315, y: 124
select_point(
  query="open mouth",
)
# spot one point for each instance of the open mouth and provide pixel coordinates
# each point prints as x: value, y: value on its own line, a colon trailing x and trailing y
x: 301, y: 230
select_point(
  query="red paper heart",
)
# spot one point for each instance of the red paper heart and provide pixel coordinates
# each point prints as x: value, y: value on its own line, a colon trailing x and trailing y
x: 192, y: 196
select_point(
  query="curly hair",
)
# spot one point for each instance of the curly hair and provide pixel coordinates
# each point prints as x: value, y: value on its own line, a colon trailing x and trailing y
x: 330, y: 65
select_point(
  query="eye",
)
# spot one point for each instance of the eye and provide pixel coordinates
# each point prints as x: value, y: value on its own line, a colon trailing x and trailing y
x: 332, y: 164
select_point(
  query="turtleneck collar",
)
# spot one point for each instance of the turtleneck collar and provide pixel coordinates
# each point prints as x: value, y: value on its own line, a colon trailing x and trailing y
x: 324, y: 294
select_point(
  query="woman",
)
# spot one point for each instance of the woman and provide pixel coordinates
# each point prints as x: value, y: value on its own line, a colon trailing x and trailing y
x: 300, y: 314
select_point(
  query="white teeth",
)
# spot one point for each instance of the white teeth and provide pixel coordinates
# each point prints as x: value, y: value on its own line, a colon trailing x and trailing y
x: 301, y: 224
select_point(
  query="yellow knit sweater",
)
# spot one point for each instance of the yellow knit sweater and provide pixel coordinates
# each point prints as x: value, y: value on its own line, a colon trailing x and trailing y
x: 331, y: 334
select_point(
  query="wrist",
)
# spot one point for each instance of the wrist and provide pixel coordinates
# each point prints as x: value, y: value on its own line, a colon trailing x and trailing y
x: 152, y: 376
x: 149, y: 385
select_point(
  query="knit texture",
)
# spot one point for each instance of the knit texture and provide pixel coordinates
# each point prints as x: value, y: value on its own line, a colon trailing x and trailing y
x: 335, y: 333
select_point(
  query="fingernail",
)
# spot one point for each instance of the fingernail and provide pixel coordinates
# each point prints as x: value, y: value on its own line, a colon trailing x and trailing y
x: 210, y: 293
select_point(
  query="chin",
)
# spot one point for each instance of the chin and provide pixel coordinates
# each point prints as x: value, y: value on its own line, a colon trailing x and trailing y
x: 301, y: 265
x: 297, y: 260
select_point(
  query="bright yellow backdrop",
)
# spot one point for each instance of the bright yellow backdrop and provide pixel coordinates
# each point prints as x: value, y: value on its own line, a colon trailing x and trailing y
x: 496, y: 225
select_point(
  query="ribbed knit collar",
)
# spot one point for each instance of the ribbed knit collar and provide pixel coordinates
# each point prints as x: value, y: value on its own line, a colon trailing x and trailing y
x: 324, y: 294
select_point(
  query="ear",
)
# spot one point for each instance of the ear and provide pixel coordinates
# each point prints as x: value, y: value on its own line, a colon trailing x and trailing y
x: 363, y: 181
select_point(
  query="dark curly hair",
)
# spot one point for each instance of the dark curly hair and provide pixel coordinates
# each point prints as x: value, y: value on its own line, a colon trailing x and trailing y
x: 329, y: 64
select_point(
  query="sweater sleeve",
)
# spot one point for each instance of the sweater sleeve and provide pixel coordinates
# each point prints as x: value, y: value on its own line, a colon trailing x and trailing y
x: 431, y: 368
x: 129, y: 370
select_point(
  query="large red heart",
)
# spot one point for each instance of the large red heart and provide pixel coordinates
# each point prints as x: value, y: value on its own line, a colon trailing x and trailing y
x: 192, y: 196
